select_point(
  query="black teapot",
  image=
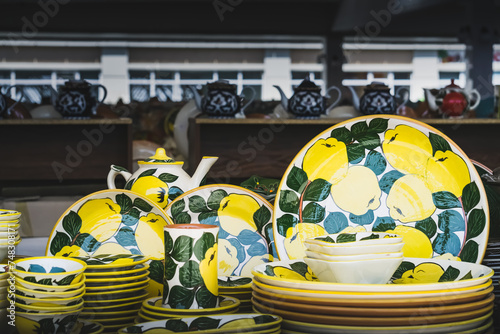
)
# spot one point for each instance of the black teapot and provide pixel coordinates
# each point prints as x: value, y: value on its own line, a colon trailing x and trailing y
x: 377, y: 99
x: 77, y: 99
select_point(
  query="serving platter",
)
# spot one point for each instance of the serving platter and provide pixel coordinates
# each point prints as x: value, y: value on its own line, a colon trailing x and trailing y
x: 113, y: 222
x: 244, y: 219
x: 388, y: 174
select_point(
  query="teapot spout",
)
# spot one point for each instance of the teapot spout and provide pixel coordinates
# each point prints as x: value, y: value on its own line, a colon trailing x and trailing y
x: 197, y: 96
x: 202, y: 170
x: 284, y: 99
x: 355, y: 98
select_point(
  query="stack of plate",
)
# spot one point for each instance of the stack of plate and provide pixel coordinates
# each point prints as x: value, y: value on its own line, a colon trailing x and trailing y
x: 4, y: 291
x: 237, y: 287
x: 492, y: 260
x: 152, y: 309
x: 9, y: 232
x: 424, y: 296
x: 116, y: 287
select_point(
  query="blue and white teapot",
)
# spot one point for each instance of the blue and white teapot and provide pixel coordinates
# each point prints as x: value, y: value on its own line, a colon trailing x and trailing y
x: 377, y: 99
x: 221, y: 100
x: 77, y: 99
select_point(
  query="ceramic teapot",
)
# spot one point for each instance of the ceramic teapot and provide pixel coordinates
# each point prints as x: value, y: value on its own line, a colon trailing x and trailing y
x: 221, y: 100
x: 160, y: 178
x: 11, y: 109
x: 77, y: 99
x: 377, y: 99
x: 452, y: 101
x: 307, y: 101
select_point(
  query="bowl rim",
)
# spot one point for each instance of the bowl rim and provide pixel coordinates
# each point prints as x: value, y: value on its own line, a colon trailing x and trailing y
x: 70, y: 259
x: 355, y: 261
x: 24, y: 289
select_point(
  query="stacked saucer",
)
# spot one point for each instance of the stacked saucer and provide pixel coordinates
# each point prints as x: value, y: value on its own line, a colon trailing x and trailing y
x: 238, y: 287
x: 152, y: 309
x: 492, y: 260
x: 9, y: 233
x: 116, y: 287
x: 423, y: 296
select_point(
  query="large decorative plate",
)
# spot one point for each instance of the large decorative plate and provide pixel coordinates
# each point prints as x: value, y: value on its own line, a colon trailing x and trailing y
x: 112, y: 222
x: 388, y: 174
x: 244, y: 219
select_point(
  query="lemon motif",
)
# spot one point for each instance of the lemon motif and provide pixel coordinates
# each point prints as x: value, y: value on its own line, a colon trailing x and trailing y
x: 410, y: 199
x: 208, y: 270
x: 149, y: 236
x: 358, y: 192
x: 416, y: 243
x: 447, y: 256
x: 407, y: 149
x: 228, y: 258
x: 236, y: 213
x: 153, y: 188
x: 154, y: 288
x: 447, y: 171
x: 100, y: 218
x: 72, y: 251
x: 295, y: 236
x: 110, y: 248
x: 25, y: 325
x: 423, y: 273
x: 254, y: 261
x: 326, y: 159
x: 283, y: 272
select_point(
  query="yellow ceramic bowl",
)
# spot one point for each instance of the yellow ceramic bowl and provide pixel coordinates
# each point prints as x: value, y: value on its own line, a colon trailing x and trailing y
x: 9, y: 228
x: 49, y: 309
x: 50, y: 270
x: 32, y: 322
x: 20, y: 290
x: 49, y: 302
x: 49, y: 288
x: 9, y: 215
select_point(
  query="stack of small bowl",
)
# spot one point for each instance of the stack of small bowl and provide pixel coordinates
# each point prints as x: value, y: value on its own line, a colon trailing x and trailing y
x: 116, y: 286
x: 49, y: 293
x: 9, y: 232
x: 363, y: 257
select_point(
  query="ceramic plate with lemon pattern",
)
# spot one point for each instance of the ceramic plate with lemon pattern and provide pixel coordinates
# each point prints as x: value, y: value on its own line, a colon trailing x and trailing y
x: 112, y: 222
x: 244, y: 219
x: 387, y: 174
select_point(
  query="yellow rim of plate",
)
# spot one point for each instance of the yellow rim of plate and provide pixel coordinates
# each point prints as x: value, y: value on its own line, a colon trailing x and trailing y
x: 392, y: 328
x: 354, y: 285
x: 122, y: 279
x: 119, y: 300
x: 115, y: 191
x: 322, y: 292
x: 400, y: 118
x: 50, y: 308
x: 76, y: 271
x: 117, y: 273
x: 134, y: 289
x: 18, y: 240
x: 49, y: 300
x: 104, y: 267
x: 235, y: 303
x: 12, y: 213
x: 61, y: 288
x: 110, y: 288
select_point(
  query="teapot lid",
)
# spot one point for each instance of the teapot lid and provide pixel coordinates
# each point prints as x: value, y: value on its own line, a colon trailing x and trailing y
x: 76, y: 84
x: 221, y: 84
x: 308, y: 85
x: 453, y: 85
x: 377, y: 85
x: 160, y: 157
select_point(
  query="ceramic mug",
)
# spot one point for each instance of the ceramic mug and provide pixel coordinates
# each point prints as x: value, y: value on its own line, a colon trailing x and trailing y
x: 191, y: 266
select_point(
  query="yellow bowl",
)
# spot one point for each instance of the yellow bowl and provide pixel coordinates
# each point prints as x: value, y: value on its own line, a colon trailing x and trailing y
x: 9, y: 215
x: 49, y: 302
x: 42, y: 294
x: 48, y: 309
x: 49, y: 288
x: 50, y: 270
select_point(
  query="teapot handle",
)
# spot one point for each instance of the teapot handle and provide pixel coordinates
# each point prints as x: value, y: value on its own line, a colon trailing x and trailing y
x: 7, y: 91
x: 406, y: 96
x: 103, y: 89
x: 250, y: 100
x: 478, y: 98
x: 114, y: 172
x: 337, y: 100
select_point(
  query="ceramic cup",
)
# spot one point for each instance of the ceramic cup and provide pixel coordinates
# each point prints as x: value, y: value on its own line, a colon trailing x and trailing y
x: 191, y: 266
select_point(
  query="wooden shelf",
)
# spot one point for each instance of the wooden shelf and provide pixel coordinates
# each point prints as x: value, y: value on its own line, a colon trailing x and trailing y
x: 265, y: 147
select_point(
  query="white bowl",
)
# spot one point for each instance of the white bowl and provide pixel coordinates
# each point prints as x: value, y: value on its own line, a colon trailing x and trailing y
x: 369, y: 249
x: 50, y: 270
x: 9, y: 215
x: 356, y: 239
x: 327, y: 257
x: 9, y: 228
x: 375, y: 271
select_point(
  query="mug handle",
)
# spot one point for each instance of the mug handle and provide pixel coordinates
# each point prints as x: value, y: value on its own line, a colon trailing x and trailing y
x: 250, y: 100
x: 104, y: 90
x: 337, y: 100
x: 478, y: 99
x: 406, y: 97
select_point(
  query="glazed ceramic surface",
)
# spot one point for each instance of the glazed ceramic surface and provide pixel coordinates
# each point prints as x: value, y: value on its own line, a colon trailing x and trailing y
x: 9, y: 215
x: 244, y: 218
x: 190, y: 280
x: 46, y: 323
x: 414, y: 274
x: 112, y: 222
x: 112, y: 263
x: 50, y: 270
x: 210, y: 324
x: 160, y: 178
x: 87, y: 327
x: 265, y: 187
x: 225, y: 304
x: 356, y: 239
x: 234, y: 283
x: 386, y: 174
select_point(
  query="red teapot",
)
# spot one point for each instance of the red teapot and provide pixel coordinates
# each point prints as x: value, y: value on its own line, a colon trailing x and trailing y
x: 453, y: 101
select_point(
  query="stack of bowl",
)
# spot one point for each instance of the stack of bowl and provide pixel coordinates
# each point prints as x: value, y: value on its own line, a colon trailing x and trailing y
x: 116, y: 286
x: 49, y: 293
x: 4, y: 291
x: 9, y: 232
x: 237, y: 287
x: 423, y: 296
x: 363, y: 257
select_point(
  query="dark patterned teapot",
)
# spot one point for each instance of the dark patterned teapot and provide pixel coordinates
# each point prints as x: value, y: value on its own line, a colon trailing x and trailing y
x: 77, y: 99
x: 307, y: 101
x: 377, y: 99
x: 11, y: 109
x: 221, y: 100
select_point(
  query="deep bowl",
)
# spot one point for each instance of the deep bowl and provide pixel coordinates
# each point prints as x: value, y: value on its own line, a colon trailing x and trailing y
x: 374, y: 271
x: 50, y: 270
x: 49, y: 288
